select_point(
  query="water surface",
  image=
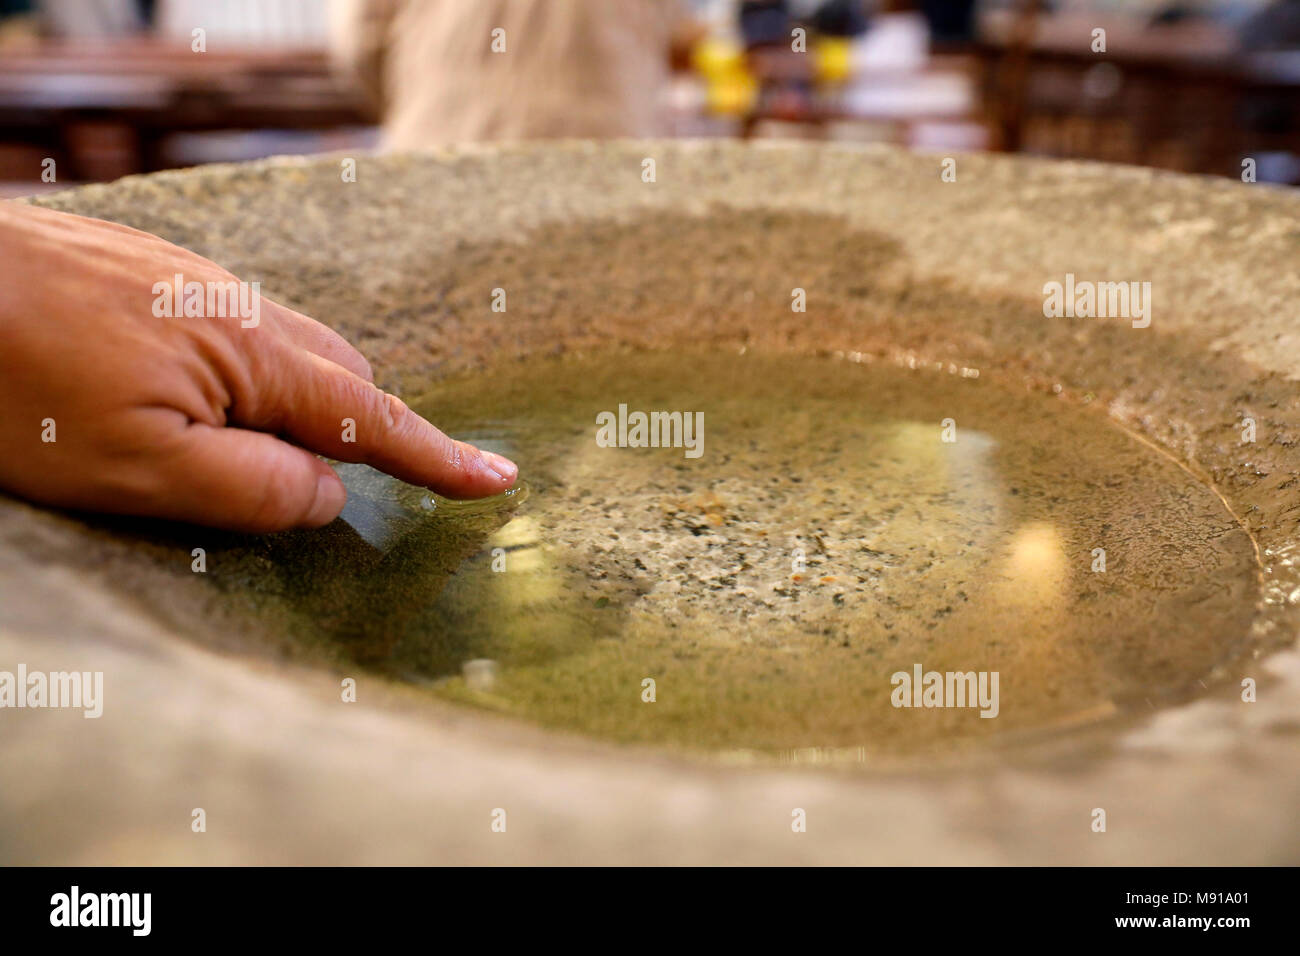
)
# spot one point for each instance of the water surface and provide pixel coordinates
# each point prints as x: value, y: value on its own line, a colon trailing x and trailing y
x: 827, y: 537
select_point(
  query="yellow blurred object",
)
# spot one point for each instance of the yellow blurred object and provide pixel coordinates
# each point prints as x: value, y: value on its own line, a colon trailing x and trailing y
x: 714, y: 57
x: 831, y: 59
x: 734, y: 95
x: 731, y: 87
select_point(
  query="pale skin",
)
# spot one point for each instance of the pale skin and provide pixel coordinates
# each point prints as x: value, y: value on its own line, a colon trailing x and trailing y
x: 191, y: 419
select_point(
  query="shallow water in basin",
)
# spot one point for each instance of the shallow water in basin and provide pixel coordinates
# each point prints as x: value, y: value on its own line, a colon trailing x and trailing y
x: 842, y: 523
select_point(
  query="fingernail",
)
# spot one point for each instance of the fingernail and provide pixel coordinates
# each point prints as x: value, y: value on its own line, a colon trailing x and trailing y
x: 502, y: 467
x: 331, y: 496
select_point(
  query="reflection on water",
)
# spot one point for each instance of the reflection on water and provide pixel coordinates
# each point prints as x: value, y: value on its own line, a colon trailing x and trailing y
x: 827, y: 538
x: 1036, y: 573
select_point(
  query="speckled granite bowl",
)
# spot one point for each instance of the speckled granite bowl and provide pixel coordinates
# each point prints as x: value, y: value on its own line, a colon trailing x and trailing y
x: 199, y: 714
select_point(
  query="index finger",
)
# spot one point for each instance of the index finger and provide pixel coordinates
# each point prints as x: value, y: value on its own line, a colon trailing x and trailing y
x: 332, y: 411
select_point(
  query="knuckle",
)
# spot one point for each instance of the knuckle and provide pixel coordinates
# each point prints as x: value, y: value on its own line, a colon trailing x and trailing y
x: 387, y: 419
x: 391, y: 412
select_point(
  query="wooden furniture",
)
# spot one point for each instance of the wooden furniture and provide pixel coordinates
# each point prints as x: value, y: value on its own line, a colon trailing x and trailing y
x: 1180, y: 96
x: 102, y: 109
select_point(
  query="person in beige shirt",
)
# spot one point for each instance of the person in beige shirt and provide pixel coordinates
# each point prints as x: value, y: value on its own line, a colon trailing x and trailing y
x: 447, y: 71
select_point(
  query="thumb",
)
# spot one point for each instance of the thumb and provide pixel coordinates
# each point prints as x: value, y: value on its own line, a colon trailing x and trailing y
x: 248, y: 481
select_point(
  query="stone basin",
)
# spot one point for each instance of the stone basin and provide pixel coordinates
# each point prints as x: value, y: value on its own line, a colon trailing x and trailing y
x: 211, y: 703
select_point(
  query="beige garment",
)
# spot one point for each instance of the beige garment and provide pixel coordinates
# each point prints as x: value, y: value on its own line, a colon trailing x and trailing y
x: 570, y: 68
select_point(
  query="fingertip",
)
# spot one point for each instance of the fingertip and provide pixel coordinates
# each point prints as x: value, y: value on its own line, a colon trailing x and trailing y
x: 502, y: 467
x: 472, y: 473
x: 484, y: 473
x: 330, y: 498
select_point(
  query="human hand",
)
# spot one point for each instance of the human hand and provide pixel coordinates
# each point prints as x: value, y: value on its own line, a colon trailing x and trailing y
x: 106, y: 405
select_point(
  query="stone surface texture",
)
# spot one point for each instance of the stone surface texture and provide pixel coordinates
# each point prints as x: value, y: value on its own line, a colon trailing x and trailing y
x: 199, y: 713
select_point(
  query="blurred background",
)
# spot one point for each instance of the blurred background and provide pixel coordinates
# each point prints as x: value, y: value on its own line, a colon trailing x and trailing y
x: 91, y: 90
